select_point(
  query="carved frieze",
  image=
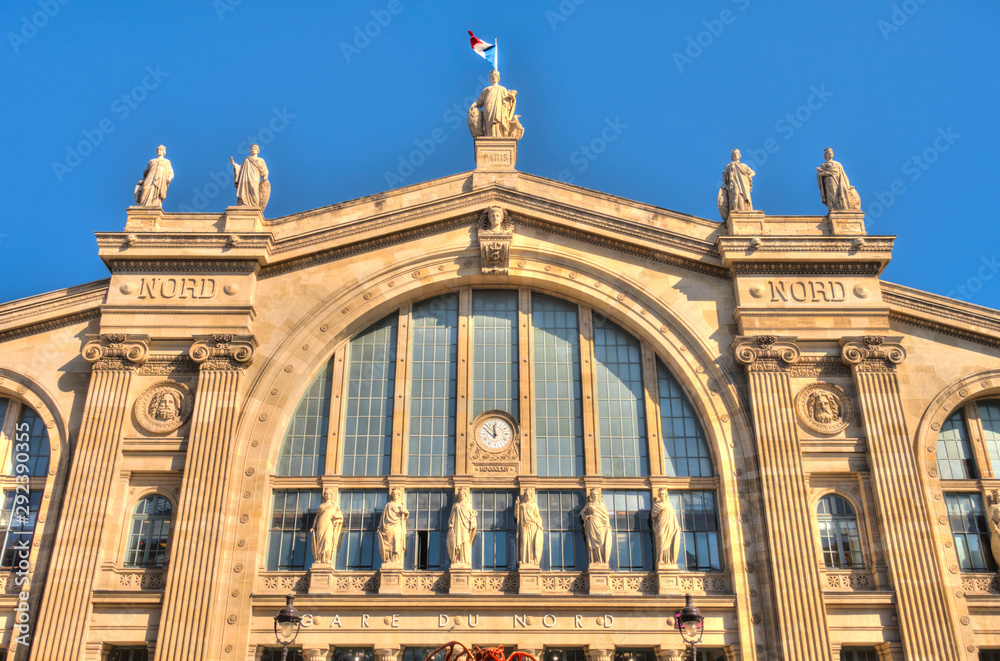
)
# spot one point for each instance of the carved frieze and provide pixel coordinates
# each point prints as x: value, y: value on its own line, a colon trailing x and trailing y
x: 824, y: 408
x: 116, y: 351
x: 164, y: 407
x: 496, y: 233
x: 872, y: 353
x: 223, y: 351
x: 766, y: 353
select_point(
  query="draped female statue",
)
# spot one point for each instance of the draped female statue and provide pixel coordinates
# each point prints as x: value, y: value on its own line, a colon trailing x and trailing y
x: 597, y: 527
x: 529, y: 529
x: 835, y: 190
x: 152, y: 188
x: 250, y: 179
x: 392, y: 529
x: 461, y: 530
x: 666, y: 531
x: 326, y: 528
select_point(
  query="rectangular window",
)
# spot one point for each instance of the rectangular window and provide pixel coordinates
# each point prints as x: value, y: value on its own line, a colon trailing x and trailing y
x: 954, y: 454
x: 36, y: 459
x: 621, y: 418
x: 685, y: 452
x: 989, y: 655
x: 495, y: 546
x: 359, y: 542
x: 353, y: 654
x: 699, y: 530
x: 565, y: 549
x: 633, y: 541
x: 631, y: 654
x: 420, y: 653
x: 427, y: 530
x: 274, y: 654
x: 17, y: 525
x: 558, y: 414
x: 494, y: 352
x: 989, y: 413
x: 564, y: 654
x: 304, y: 449
x: 970, y: 530
x: 433, y: 368
x: 292, y: 517
x: 858, y: 654
x: 371, y: 384
x: 129, y: 654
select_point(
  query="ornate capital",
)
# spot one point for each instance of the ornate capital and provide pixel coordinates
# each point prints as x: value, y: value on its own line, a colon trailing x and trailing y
x: 116, y: 351
x: 387, y: 653
x: 872, y: 353
x: 496, y: 233
x: 766, y: 353
x: 600, y: 654
x: 223, y: 351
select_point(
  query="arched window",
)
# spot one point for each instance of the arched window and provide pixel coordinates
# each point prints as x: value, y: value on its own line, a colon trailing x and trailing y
x: 25, y: 452
x: 150, y: 533
x: 304, y: 449
x: 838, y: 533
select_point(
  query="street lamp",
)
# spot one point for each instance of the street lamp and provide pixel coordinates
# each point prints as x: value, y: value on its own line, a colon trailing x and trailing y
x: 287, y: 624
x: 690, y: 622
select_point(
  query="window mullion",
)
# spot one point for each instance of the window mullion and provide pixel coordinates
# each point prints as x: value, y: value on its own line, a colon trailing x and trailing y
x: 401, y: 404
x: 974, y: 425
x: 463, y: 407
x: 335, y: 429
x: 526, y: 384
x: 587, y: 375
x: 654, y: 443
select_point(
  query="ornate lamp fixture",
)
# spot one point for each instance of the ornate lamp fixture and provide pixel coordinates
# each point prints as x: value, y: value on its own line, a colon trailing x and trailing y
x: 287, y: 624
x: 690, y: 622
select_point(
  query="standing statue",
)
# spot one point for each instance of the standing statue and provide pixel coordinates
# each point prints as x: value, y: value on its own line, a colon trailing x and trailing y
x: 326, y: 528
x: 737, y: 182
x: 461, y: 530
x: 152, y: 188
x: 252, y: 187
x: 529, y: 529
x: 492, y: 114
x: 392, y: 529
x: 597, y: 527
x: 835, y: 190
x: 666, y: 531
x: 993, y: 522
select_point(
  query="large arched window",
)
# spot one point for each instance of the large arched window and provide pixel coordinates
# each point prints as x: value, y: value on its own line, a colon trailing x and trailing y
x: 589, y: 397
x: 149, y: 533
x: 838, y: 533
x: 25, y: 452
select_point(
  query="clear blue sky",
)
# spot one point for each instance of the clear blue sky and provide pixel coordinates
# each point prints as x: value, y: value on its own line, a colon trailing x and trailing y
x: 335, y: 110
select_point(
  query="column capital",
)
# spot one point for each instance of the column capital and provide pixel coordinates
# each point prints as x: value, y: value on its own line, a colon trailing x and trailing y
x: 116, y: 351
x: 766, y: 353
x: 223, y: 351
x: 872, y: 353
x: 670, y: 654
x: 387, y: 653
x: 599, y: 654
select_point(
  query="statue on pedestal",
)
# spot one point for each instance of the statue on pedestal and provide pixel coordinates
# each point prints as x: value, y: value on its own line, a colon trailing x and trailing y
x: 152, y: 188
x: 666, y: 531
x: 737, y: 182
x: 492, y: 114
x: 392, y: 529
x: 597, y: 528
x: 326, y: 528
x: 835, y: 190
x: 250, y: 179
x: 461, y: 529
x: 529, y: 529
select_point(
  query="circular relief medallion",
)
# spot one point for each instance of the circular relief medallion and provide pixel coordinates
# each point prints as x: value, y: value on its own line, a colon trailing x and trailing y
x: 494, y: 431
x: 824, y: 408
x: 164, y: 407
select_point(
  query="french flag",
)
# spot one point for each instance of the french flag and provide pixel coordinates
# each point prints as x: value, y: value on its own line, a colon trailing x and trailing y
x: 486, y: 51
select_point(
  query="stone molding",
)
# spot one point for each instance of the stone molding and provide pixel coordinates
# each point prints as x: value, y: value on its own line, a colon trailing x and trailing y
x: 116, y: 351
x: 766, y: 353
x: 870, y: 269
x: 51, y: 325
x: 182, y: 265
x: 872, y: 353
x: 223, y: 351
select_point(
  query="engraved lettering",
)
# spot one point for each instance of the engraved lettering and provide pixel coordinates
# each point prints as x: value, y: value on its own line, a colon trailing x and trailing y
x: 838, y: 292
x: 522, y: 620
x: 548, y: 620
x: 395, y: 621
x: 364, y: 621
x: 336, y: 620
x: 188, y: 286
x: 207, y: 288
x: 800, y: 294
x: 813, y: 291
x: 578, y: 622
x: 609, y: 621
x: 181, y: 288
x: 473, y: 623
x: 818, y: 288
x: 147, y: 288
x: 172, y: 284
x: 443, y: 621
x: 777, y: 291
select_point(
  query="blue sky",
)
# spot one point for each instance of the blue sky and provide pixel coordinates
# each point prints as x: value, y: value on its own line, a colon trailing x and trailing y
x: 349, y: 99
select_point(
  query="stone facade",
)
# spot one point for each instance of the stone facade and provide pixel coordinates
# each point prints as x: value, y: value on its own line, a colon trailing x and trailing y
x: 809, y: 376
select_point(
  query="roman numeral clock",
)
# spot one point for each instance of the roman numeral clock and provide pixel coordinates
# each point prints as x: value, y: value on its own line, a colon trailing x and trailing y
x: 495, y: 443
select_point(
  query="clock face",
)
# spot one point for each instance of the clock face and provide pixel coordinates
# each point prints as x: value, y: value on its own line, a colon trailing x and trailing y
x: 495, y: 433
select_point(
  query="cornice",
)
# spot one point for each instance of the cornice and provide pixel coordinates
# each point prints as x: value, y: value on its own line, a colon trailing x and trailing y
x: 808, y: 268
x: 927, y: 308
x: 50, y: 325
x: 138, y: 265
x: 52, y: 310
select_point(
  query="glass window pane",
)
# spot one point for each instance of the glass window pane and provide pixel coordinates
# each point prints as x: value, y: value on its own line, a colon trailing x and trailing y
x: 621, y: 419
x: 685, y: 450
x: 292, y: 516
x: 989, y: 413
x: 494, y: 352
x: 954, y: 454
x: 630, y: 525
x: 564, y: 547
x: 427, y: 532
x: 150, y: 533
x: 970, y: 532
x: 699, y: 521
x: 17, y: 524
x: 362, y: 510
x: 303, y: 451
x: 371, y: 384
x: 433, y: 368
x: 30, y: 429
x: 838, y: 531
x: 494, y: 548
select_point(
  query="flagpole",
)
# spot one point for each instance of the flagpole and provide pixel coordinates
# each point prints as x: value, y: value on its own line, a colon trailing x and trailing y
x: 496, y: 55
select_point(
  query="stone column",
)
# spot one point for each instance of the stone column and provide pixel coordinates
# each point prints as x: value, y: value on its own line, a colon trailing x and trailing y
x: 670, y: 654
x: 801, y: 614
x: 65, y: 610
x: 387, y: 653
x: 600, y: 654
x: 189, y: 625
x: 905, y: 521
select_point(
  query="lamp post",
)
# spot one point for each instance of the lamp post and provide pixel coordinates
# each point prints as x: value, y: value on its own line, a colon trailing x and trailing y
x: 287, y: 624
x: 690, y: 622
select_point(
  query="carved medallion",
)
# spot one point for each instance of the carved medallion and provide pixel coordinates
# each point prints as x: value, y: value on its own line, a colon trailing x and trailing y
x: 164, y: 407
x: 824, y: 408
x: 494, y: 445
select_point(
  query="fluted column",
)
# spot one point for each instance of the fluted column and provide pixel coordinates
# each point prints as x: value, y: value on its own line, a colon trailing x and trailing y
x: 65, y: 610
x: 903, y: 515
x: 801, y: 614
x: 190, y: 623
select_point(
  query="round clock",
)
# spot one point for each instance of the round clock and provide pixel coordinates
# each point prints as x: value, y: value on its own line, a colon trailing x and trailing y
x: 495, y: 433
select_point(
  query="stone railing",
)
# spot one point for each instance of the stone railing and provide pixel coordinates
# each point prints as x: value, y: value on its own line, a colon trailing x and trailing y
x: 282, y: 581
x: 981, y: 584
x: 8, y: 583
x: 138, y: 579
x: 848, y: 580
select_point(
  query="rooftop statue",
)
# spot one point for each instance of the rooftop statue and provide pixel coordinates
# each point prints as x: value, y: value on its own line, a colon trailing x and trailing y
x: 835, y: 190
x: 252, y: 187
x: 737, y: 182
x: 492, y: 114
x: 152, y: 188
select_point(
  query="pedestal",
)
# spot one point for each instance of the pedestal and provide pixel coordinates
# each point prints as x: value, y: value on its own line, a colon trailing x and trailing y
x: 391, y: 579
x: 244, y: 219
x: 529, y: 579
x: 668, y: 580
x: 847, y: 222
x: 496, y: 159
x: 746, y: 222
x: 461, y: 580
x: 599, y: 578
x: 143, y: 218
x: 321, y: 578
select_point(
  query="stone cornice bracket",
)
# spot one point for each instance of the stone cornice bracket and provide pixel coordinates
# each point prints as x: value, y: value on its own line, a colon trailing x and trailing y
x: 116, y: 351
x: 766, y: 353
x: 872, y: 353
x: 223, y: 351
x: 495, y: 230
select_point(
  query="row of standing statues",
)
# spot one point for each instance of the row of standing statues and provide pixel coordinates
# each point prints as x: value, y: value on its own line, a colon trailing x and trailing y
x: 462, y: 527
